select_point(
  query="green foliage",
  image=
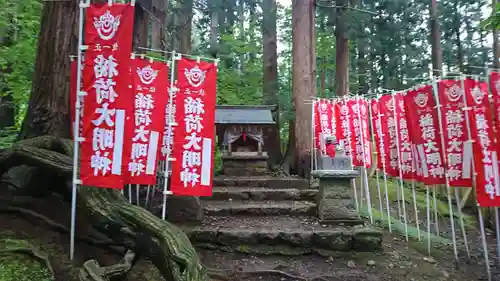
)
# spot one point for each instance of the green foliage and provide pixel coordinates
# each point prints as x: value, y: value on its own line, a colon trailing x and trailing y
x: 17, y: 267
x: 492, y: 21
x: 19, y: 28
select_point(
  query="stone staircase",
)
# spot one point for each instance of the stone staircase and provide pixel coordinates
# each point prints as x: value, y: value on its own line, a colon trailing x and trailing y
x: 266, y: 215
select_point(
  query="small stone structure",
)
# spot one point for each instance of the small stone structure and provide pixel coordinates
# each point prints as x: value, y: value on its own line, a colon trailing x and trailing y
x: 335, y: 198
x: 243, y: 133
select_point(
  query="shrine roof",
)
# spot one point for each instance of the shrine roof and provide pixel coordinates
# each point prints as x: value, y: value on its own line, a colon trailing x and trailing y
x: 244, y: 114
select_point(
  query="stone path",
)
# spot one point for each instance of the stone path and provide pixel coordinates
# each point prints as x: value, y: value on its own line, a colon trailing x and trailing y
x: 264, y: 215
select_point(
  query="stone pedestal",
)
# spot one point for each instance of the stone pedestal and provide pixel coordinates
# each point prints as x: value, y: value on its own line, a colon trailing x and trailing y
x: 244, y: 165
x: 336, y: 197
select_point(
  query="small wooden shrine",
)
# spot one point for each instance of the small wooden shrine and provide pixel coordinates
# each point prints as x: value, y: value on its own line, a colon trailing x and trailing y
x: 242, y: 132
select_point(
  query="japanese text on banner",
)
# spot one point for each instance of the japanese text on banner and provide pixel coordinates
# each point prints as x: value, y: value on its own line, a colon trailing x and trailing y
x: 192, y: 172
x: 406, y: 160
x: 150, y: 82
x: 486, y: 159
x: 345, y: 128
x: 323, y: 123
x: 386, y: 108
x: 361, y: 134
x: 424, y: 133
x: 378, y: 133
x: 494, y: 80
x: 458, y: 150
x: 106, y: 79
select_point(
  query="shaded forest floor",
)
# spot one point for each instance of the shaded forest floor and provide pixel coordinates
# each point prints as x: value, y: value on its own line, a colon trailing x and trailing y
x: 398, y: 261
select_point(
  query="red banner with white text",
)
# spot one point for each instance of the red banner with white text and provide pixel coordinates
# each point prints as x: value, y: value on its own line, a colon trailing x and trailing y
x: 360, y: 134
x: 494, y: 80
x: 386, y: 108
x: 323, y: 113
x: 423, y: 126
x: 486, y: 159
x: 378, y: 132
x: 167, y: 141
x: 150, y: 82
x: 406, y: 160
x: 345, y: 128
x: 194, y: 139
x: 106, y: 80
x: 458, y: 153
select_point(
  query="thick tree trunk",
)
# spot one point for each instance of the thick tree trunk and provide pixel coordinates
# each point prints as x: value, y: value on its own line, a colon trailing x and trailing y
x: 214, y: 34
x: 158, y: 34
x: 164, y: 244
x: 342, y: 49
x: 141, y: 26
x: 437, y: 54
x: 496, y: 43
x: 271, y: 73
x: 303, y: 82
x: 186, y: 15
x: 241, y: 22
x: 48, y: 107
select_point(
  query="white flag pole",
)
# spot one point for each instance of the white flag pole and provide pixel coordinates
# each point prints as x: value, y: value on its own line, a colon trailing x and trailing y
x: 172, y: 92
x: 443, y: 149
x: 382, y: 158
x: 427, y: 198
x: 363, y: 154
x: 483, y: 241
x: 379, y: 194
x: 76, y: 128
x: 401, y: 184
x: 147, y: 195
x: 436, y: 215
x: 137, y: 194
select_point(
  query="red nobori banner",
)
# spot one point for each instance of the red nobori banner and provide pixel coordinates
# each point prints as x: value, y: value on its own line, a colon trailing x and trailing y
x: 494, y: 80
x: 106, y: 80
x: 167, y: 141
x: 486, y: 160
x: 423, y: 126
x: 458, y: 153
x: 73, y: 95
x: 361, y: 134
x: 323, y: 113
x: 150, y: 82
x: 378, y: 132
x: 406, y: 160
x: 386, y: 109
x: 192, y: 170
x: 345, y: 128
x: 354, y: 134
x: 109, y: 27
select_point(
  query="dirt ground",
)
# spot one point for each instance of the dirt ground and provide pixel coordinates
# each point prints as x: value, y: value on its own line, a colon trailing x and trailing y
x: 398, y: 261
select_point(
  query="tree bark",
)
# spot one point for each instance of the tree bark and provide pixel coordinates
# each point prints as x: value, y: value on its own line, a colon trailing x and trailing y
x: 241, y: 19
x: 270, y: 75
x: 48, y: 106
x: 496, y: 43
x: 342, y: 49
x: 141, y: 26
x: 437, y: 54
x: 214, y: 34
x: 303, y: 82
x: 158, y: 34
x: 186, y: 15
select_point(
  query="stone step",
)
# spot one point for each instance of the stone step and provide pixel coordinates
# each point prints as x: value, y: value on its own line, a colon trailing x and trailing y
x: 259, y: 208
x: 262, y: 181
x: 285, y: 235
x: 261, y: 194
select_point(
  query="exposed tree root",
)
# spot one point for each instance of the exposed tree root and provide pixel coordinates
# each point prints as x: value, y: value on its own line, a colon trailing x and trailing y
x: 61, y: 228
x: 92, y: 271
x: 110, y: 213
x: 32, y: 252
